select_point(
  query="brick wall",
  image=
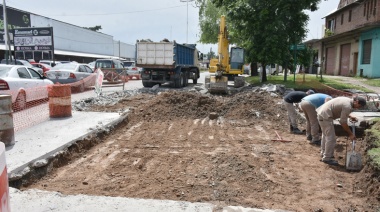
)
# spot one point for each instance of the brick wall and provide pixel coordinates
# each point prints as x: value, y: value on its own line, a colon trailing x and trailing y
x: 359, y: 18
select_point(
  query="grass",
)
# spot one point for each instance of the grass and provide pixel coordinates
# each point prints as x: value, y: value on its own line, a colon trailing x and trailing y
x: 305, y: 81
x: 373, y: 138
x: 372, y: 82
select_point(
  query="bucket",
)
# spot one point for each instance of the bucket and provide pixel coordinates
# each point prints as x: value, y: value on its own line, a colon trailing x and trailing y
x: 59, y: 101
x: 7, y: 133
x: 5, y: 206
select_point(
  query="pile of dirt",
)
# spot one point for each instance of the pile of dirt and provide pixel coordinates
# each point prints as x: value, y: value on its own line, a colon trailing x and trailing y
x: 170, y: 148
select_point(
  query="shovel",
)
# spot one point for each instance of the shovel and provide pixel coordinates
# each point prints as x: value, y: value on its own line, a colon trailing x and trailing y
x: 353, y: 158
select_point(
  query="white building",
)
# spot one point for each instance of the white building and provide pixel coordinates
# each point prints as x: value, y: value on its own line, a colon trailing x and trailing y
x: 71, y: 43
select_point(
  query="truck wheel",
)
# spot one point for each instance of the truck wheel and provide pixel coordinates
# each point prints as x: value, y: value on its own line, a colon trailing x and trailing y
x: 147, y: 84
x: 178, y: 83
x: 185, y: 80
x: 195, y: 81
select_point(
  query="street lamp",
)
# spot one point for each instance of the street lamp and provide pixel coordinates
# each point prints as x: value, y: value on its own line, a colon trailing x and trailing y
x: 187, y: 18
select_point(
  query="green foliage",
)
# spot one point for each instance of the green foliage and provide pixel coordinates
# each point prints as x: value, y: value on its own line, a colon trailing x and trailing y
x: 265, y: 29
x: 372, y: 82
x: 374, y: 156
x: 328, y: 32
x: 209, y: 16
x: 302, y: 83
x: 95, y: 28
x: 373, y: 139
x: 341, y: 85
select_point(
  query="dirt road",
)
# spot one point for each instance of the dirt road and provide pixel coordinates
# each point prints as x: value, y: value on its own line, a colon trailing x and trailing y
x: 172, y: 148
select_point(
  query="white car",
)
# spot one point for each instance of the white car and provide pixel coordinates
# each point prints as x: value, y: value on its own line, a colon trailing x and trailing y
x: 25, y: 85
x: 131, y: 67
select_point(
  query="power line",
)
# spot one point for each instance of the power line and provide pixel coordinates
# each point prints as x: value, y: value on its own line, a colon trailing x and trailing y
x: 115, y: 13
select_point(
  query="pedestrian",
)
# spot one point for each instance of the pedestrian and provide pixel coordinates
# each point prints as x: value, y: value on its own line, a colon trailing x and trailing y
x: 290, y: 99
x: 308, y: 105
x: 339, y: 107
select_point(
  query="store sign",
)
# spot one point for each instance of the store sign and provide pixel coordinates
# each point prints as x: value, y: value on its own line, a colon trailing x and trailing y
x: 33, y: 39
x: 15, y: 18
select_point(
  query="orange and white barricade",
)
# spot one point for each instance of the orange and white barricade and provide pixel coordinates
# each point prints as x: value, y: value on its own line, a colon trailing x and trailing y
x: 5, y: 205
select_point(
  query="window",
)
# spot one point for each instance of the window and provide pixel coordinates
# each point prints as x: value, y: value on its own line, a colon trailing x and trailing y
x: 349, y: 15
x: 341, y: 19
x: 34, y: 74
x: 82, y: 69
x: 331, y: 25
x: 374, y: 8
x: 23, y: 73
x: 368, y: 11
x: 88, y: 69
x: 367, y: 45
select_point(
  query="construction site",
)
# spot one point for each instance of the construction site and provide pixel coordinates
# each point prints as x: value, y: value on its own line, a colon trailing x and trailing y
x: 189, y: 145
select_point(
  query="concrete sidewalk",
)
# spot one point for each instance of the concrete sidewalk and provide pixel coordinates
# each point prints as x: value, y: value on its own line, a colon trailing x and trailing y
x: 36, y: 145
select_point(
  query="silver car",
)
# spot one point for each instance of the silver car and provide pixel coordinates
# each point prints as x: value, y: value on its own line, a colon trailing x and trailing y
x: 69, y: 72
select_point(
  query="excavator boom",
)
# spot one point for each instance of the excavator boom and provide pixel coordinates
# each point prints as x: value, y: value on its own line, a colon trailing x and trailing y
x: 221, y: 67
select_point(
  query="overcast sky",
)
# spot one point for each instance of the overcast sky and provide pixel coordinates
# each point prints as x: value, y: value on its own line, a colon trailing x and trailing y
x: 128, y: 20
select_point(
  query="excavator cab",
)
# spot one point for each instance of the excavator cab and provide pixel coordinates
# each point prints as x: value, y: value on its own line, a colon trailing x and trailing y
x: 237, y: 58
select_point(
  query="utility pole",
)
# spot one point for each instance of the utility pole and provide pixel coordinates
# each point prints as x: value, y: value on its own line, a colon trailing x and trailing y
x: 187, y: 18
x: 6, y: 34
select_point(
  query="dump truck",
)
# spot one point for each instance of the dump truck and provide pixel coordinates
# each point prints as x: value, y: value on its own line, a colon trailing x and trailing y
x: 167, y: 62
x: 228, y: 66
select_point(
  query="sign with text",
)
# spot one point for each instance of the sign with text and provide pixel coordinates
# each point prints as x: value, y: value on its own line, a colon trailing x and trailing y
x: 298, y: 47
x: 33, y: 39
x: 15, y: 18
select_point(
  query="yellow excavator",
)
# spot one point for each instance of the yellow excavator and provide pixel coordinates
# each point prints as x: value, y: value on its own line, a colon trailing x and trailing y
x: 226, y: 67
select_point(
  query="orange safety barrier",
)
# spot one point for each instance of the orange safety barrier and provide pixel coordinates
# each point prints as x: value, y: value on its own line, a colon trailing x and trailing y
x: 83, y: 84
x: 59, y: 100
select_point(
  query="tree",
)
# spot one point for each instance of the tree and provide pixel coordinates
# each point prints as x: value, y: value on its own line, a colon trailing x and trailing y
x: 265, y: 29
x: 209, y: 16
x: 95, y: 28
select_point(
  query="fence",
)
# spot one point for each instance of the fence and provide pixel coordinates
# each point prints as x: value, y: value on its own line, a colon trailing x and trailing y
x: 31, y: 105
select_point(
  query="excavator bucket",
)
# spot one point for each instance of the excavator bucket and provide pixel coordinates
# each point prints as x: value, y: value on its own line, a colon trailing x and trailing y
x: 218, y: 84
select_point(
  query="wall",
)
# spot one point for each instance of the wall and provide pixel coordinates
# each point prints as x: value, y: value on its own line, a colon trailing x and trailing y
x: 125, y: 50
x: 371, y: 70
x: 357, y: 17
x: 337, y: 45
x: 68, y: 37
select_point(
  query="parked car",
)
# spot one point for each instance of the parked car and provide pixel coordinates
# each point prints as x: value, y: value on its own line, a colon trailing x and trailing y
x: 92, y: 65
x: 113, y: 69
x: 50, y: 62
x: 23, y: 83
x: 131, y: 68
x: 23, y: 63
x: 44, y: 67
x: 69, y: 72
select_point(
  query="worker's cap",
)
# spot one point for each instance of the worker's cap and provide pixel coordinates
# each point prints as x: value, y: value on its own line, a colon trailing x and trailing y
x: 310, y: 92
x: 361, y: 100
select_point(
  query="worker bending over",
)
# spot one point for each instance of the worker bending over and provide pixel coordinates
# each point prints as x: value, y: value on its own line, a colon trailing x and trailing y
x: 308, y: 105
x: 289, y: 100
x: 339, y: 107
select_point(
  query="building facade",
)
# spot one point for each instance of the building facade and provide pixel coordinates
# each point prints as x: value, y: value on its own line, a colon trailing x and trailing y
x: 351, y: 42
x: 71, y: 43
